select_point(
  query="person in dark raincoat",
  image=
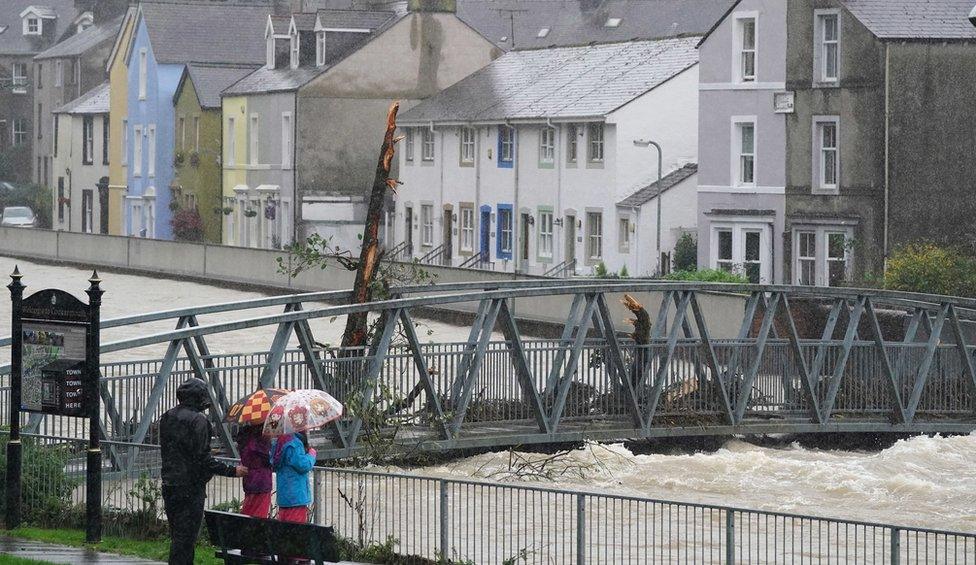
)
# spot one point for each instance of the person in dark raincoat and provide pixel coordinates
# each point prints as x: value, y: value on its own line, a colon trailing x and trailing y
x: 187, y: 466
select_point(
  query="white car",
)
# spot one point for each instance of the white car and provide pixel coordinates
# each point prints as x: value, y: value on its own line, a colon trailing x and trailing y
x: 18, y: 217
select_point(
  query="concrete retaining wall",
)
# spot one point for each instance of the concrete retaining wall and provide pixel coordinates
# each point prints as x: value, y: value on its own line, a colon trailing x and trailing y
x: 221, y: 263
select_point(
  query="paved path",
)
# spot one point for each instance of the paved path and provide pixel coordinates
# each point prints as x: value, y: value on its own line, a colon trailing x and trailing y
x: 41, y: 551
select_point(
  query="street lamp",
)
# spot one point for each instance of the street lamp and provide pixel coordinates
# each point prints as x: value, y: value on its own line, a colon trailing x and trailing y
x: 648, y: 143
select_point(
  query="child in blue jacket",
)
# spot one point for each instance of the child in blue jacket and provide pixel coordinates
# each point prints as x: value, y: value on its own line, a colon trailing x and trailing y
x: 292, y: 460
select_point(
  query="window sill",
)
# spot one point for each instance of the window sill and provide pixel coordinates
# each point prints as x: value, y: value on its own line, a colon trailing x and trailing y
x: 466, y: 164
x: 546, y: 165
x: 826, y: 84
x: 835, y: 191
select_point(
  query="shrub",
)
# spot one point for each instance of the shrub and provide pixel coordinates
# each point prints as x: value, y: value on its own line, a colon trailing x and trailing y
x: 685, y: 256
x: 624, y: 273
x: 187, y: 225
x: 46, y: 487
x: 929, y: 268
x: 39, y: 198
x: 707, y: 275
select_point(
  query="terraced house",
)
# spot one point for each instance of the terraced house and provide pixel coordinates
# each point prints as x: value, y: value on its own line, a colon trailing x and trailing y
x: 829, y: 135
x: 297, y: 160
x: 531, y: 164
x: 27, y: 27
x: 166, y: 37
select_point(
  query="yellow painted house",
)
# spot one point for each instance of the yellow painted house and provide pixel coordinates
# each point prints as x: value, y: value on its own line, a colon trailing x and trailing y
x: 235, y: 157
x: 118, y: 74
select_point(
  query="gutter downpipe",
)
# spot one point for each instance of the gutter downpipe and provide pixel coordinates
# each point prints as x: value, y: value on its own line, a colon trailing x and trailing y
x: 516, y: 244
x: 559, y: 191
x: 476, y: 213
x: 886, y: 153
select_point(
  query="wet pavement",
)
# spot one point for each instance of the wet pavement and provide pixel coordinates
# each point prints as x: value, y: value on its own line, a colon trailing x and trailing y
x: 40, y: 551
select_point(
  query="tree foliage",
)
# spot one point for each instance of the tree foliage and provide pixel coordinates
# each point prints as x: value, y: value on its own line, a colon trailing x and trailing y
x: 36, y: 197
x: 932, y: 269
x: 708, y: 275
x: 685, y: 257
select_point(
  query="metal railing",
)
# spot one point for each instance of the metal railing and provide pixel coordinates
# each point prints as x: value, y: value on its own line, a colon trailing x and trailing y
x: 479, y: 260
x: 562, y: 269
x: 481, y: 522
x: 401, y: 251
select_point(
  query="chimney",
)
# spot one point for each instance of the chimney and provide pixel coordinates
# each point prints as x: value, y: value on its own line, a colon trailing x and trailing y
x: 449, y: 6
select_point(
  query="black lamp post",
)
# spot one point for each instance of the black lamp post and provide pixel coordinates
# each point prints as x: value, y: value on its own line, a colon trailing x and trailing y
x: 14, y: 451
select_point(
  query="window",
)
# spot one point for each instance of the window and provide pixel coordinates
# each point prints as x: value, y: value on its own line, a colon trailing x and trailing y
x: 408, y: 147
x: 294, y: 51
x: 58, y: 73
x: 545, y: 234
x: 506, y: 231
x: 196, y: 133
x: 73, y: 77
x: 623, y: 235
x: 125, y: 141
x: 806, y: 258
x: 746, y: 43
x: 506, y: 145
x: 143, y: 72
x: 427, y: 225
x: 827, y: 162
x: 20, y: 132
x: 231, y: 143
x: 467, y: 229
x: 572, y: 133
x: 56, y: 131
x: 547, y: 145
x: 87, y: 140
x: 595, y: 131
x: 32, y: 25
x: 828, y: 31
x: 105, y: 139
x: 467, y: 145
x: 86, y: 210
x: 594, y: 235
x: 181, y: 132
x: 286, y: 140
x: 19, y: 78
x: 136, y: 151
x: 320, y: 48
x: 743, y: 248
x: 39, y: 75
x: 746, y: 162
x: 40, y: 121
x: 836, y: 258
x: 427, y: 145
x: 151, y: 150
x: 725, y: 261
x: 253, y: 140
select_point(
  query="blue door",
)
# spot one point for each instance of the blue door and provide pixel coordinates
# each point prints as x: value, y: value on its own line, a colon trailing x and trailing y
x: 485, y: 233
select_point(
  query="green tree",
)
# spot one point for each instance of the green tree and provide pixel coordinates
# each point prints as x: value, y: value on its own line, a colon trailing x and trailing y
x: 931, y: 269
x: 685, y: 256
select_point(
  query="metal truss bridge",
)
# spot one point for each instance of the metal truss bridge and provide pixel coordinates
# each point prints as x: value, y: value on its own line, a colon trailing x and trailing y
x: 800, y: 360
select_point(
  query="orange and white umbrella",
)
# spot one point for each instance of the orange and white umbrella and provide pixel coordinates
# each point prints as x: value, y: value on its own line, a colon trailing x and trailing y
x: 300, y: 411
x: 253, y: 410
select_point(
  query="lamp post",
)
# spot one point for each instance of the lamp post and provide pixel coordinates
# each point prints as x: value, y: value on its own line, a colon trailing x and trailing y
x: 647, y: 143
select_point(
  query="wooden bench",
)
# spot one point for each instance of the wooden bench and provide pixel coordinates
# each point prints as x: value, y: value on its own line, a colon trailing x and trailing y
x: 243, y: 539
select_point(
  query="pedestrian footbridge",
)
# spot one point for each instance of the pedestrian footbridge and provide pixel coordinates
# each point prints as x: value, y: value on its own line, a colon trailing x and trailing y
x: 718, y: 359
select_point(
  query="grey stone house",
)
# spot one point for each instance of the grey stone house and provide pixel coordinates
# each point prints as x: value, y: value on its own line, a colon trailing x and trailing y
x: 831, y: 133
x: 62, y: 74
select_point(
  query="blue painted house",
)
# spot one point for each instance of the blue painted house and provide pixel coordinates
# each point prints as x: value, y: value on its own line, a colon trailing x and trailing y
x: 169, y: 36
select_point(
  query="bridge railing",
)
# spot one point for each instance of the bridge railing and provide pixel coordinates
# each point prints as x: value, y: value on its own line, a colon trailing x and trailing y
x: 767, y: 379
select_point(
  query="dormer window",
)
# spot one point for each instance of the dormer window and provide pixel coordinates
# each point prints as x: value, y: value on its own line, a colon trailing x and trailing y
x: 294, y: 50
x: 32, y: 25
x: 320, y: 48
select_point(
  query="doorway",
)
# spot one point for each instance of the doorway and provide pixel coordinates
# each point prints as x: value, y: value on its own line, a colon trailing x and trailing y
x: 485, y: 247
x: 448, y: 235
x: 408, y: 229
x: 524, y: 241
x: 570, y: 239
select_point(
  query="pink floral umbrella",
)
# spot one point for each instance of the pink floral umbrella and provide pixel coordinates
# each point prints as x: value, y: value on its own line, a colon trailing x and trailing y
x: 300, y: 411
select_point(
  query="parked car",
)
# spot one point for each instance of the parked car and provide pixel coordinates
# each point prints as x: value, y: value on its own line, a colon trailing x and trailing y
x: 18, y: 217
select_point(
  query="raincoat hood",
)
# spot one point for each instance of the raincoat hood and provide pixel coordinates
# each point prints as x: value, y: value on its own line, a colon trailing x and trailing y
x: 193, y: 393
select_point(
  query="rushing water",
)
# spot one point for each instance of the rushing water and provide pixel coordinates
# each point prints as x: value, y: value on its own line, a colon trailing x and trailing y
x: 921, y: 481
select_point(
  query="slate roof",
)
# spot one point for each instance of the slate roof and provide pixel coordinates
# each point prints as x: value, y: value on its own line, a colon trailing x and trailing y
x: 565, y: 82
x: 206, y: 33
x: 915, y: 19
x: 353, y: 19
x: 266, y: 80
x: 573, y: 22
x: 304, y: 22
x: 646, y: 194
x: 95, y: 101
x: 279, y: 24
x: 12, y: 39
x: 210, y: 80
x: 79, y: 43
